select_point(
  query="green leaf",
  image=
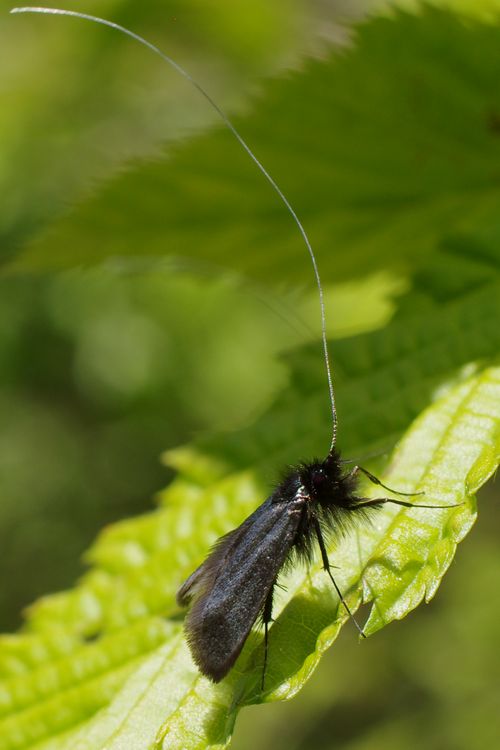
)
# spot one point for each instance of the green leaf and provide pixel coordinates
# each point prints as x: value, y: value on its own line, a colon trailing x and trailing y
x: 53, y: 680
x: 381, y: 151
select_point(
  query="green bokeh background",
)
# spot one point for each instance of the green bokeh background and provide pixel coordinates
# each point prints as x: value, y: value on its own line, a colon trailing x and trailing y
x: 90, y: 393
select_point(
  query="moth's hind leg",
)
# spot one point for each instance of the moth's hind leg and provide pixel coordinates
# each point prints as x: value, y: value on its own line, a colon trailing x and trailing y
x: 328, y: 569
x: 266, y: 619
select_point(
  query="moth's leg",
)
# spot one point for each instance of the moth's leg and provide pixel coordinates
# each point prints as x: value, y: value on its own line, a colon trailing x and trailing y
x: 266, y: 619
x: 356, y: 469
x: 382, y: 500
x: 327, y: 567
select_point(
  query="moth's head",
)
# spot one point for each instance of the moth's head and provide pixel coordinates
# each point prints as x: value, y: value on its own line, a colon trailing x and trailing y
x: 323, y: 478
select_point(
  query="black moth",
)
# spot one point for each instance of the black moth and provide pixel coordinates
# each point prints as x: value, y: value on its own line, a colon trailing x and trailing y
x: 235, y: 584
x: 315, y: 501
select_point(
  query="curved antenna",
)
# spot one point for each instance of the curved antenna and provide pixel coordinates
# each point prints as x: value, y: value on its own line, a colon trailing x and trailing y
x: 246, y: 147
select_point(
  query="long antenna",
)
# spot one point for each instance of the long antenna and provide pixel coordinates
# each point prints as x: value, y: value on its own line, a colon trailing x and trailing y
x: 243, y: 143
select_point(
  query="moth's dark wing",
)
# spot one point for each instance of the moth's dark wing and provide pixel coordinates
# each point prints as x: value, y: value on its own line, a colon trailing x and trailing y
x: 202, y: 578
x: 230, y: 588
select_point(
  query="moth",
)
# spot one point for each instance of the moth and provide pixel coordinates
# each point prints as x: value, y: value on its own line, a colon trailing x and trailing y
x: 314, y: 503
x: 235, y: 585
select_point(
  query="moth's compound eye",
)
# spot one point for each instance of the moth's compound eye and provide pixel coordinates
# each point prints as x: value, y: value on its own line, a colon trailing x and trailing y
x: 319, y: 479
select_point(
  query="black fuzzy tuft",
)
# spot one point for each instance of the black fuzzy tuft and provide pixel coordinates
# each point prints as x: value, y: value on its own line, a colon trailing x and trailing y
x: 331, y: 499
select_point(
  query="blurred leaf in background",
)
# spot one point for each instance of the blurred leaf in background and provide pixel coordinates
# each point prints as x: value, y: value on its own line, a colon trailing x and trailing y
x: 79, y: 102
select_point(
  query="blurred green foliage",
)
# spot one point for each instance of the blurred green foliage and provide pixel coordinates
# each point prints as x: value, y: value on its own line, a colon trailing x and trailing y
x: 103, y: 369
